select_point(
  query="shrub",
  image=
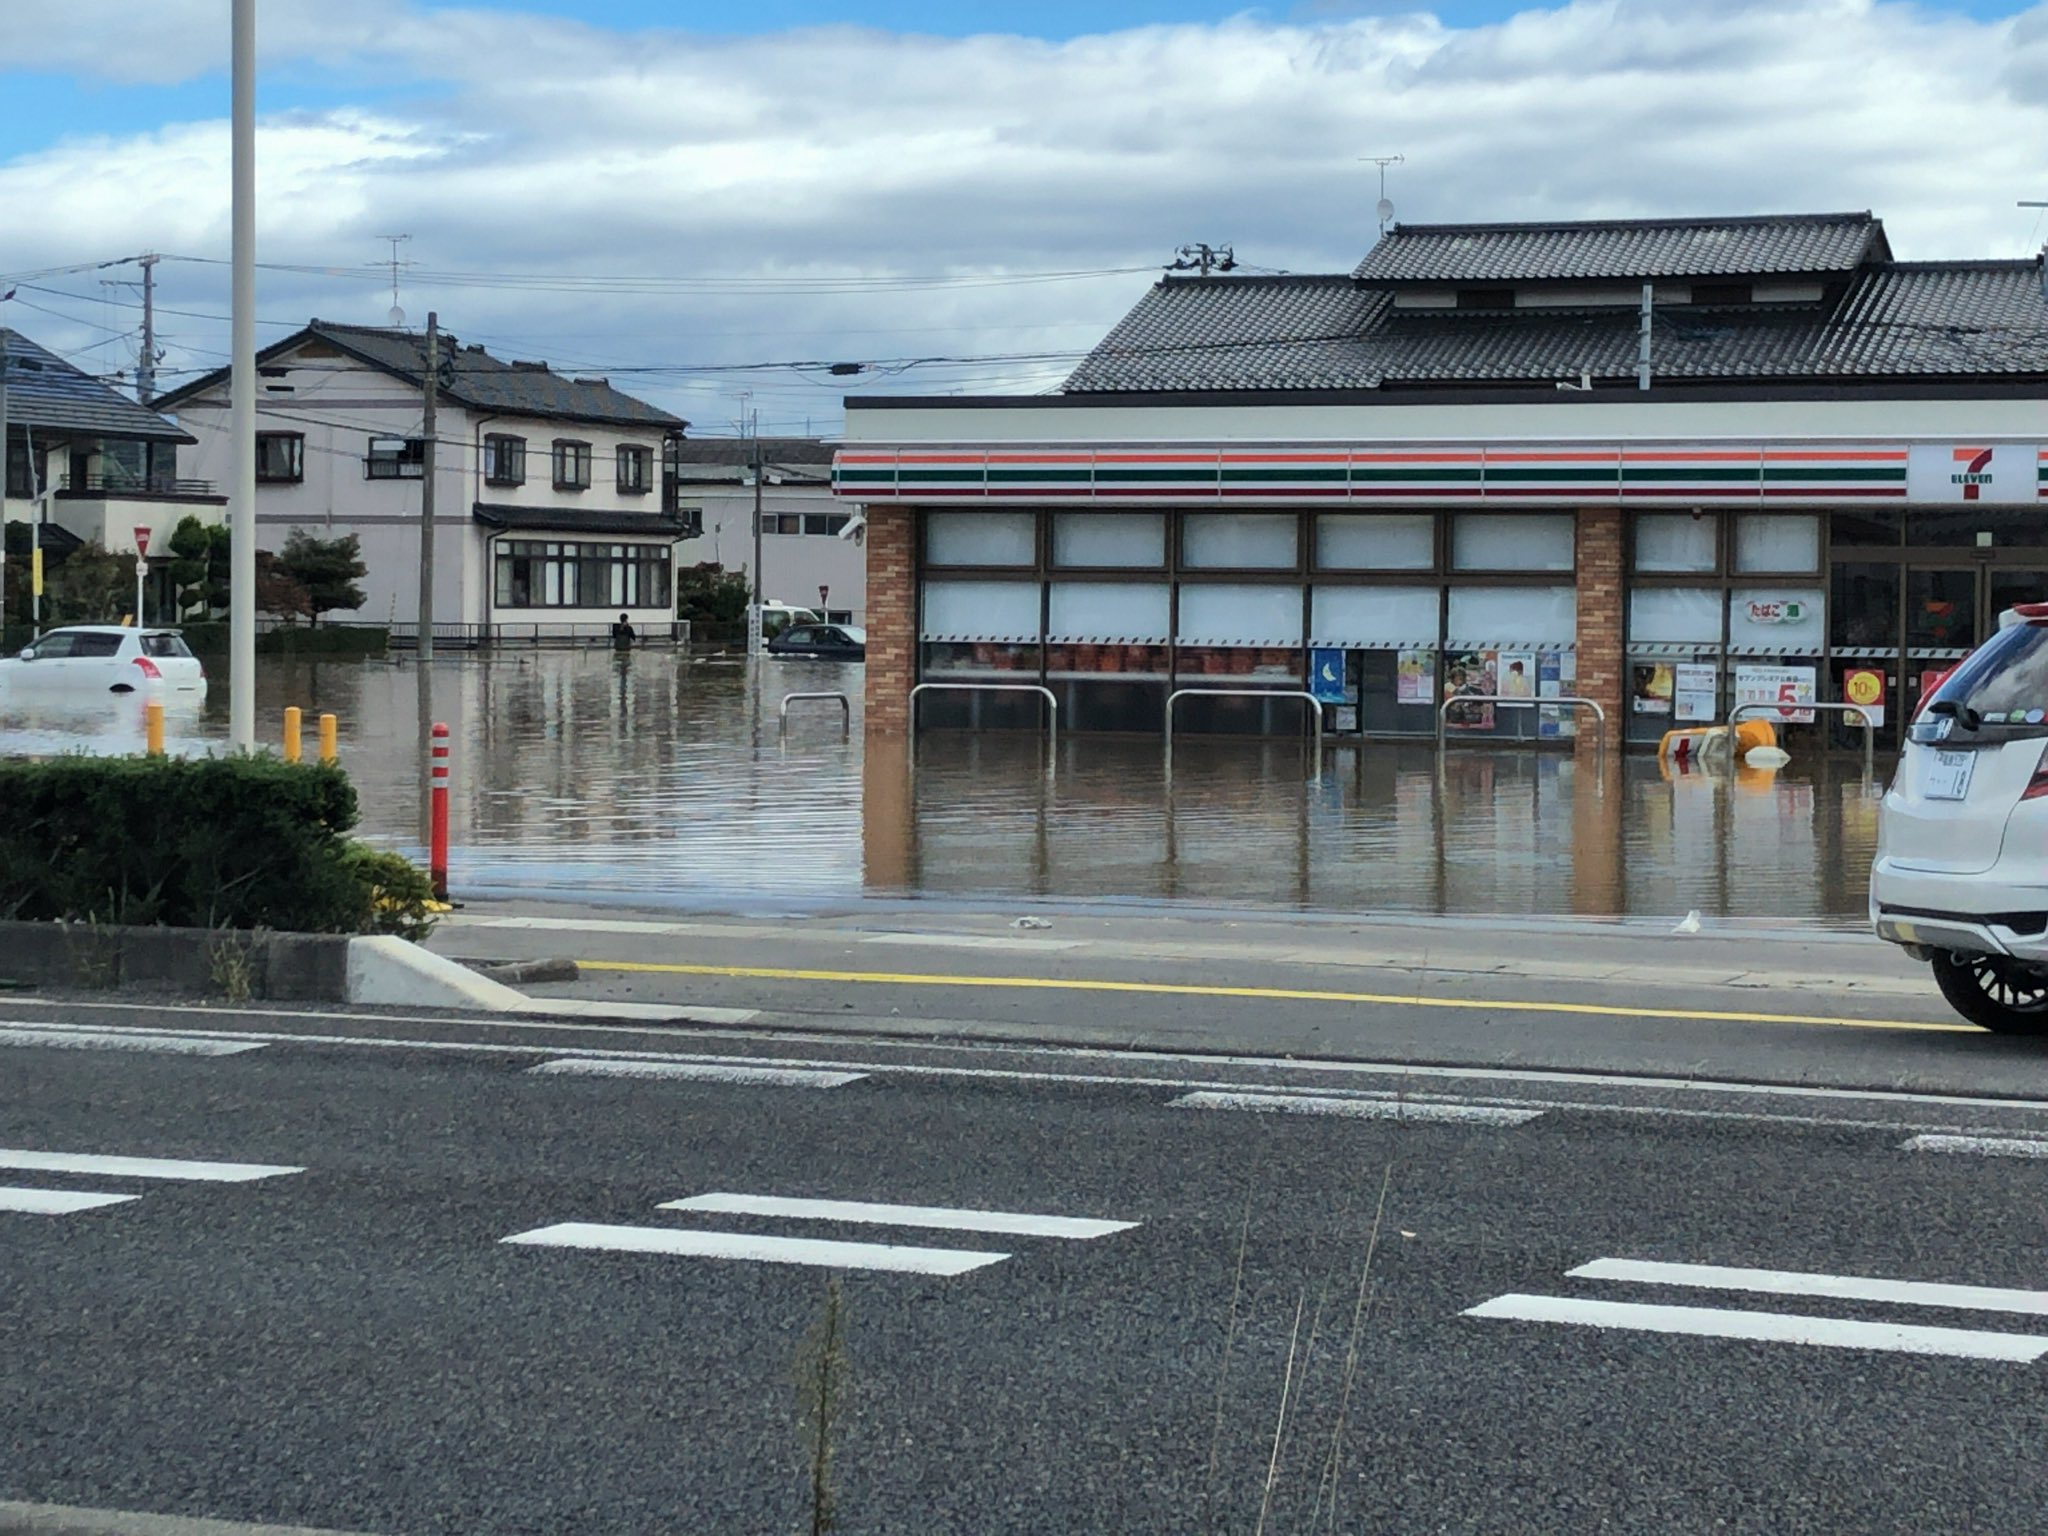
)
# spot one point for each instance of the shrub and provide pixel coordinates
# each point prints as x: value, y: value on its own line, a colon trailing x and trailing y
x: 234, y: 842
x: 401, y: 893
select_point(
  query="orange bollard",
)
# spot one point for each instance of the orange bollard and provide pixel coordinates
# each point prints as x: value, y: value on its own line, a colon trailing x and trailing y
x: 328, y: 733
x: 153, y: 728
x: 437, y: 858
x: 294, y: 747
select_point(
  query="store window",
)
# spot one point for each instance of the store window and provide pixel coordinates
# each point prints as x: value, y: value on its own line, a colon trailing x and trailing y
x: 1766, y: 541
x: 1109, y: 540
x: 1241, y: 541
x: 1678, y: 542
x: 1675, y: 615
x: 1397, y: 542
x: 981, y: 610
x: 980, y: 538
x: 1375, y: 616
x: 1110, y: 610
x: 1493, y: 615
x: 1512, y: 541
x: 1236, y: 613
x: 1775, y: 620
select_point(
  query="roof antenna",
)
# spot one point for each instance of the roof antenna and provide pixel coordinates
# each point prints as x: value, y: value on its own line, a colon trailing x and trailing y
x: 1385, y: 210
x: 2044, y: 249
x: 397, y: 315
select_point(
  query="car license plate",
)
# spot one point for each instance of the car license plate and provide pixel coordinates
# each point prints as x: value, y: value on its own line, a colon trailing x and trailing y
x: 1948, y: 777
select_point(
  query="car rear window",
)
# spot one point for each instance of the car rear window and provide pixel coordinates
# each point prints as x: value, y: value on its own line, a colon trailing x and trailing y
x: 164, y: 645
x: 1999, y: 692
x: 90, y: 644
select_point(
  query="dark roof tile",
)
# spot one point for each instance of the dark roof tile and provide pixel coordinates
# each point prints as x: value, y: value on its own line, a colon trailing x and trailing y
x: 46, y: 393
x: 1630, y: 249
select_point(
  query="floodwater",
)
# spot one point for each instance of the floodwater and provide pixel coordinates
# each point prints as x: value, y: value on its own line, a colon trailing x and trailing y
x: 648, y: 780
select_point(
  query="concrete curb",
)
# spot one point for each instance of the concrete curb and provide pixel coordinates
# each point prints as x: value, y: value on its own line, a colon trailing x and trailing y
x: 62, y: 1520
x: 388, y: 972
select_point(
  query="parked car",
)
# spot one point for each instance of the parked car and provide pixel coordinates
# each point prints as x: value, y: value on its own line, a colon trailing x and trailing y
x: 82, y: 659
x: 836, y: 642
x: 1961, y: 874
x: 776, y: 617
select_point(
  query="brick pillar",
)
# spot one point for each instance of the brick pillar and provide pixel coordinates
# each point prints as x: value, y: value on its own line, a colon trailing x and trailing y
x: 892, y: 619
x: 1601, y: 622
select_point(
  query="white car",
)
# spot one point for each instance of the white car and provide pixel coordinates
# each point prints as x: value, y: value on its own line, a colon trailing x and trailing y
x: 1961, y: 875
x: 83, y: 659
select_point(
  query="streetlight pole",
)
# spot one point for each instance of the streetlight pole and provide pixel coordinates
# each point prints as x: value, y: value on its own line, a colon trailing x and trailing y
x: 242, y: 392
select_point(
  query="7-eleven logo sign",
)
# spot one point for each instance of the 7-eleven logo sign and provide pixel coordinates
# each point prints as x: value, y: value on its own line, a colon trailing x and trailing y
x: 1975, y: 473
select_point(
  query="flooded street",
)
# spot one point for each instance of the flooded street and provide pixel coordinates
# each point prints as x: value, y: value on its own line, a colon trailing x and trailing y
x: 584, y: 777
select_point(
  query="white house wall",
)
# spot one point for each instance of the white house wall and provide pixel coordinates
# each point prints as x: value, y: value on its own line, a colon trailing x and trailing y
x: 794, y: 566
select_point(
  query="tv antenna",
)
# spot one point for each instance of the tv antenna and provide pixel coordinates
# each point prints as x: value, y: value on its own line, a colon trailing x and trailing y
x: 1203, y: 258
x: 1385, y: 210
x: 397, y: 265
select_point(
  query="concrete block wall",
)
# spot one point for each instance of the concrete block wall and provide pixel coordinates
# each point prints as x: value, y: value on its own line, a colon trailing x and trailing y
x: 892, y: 619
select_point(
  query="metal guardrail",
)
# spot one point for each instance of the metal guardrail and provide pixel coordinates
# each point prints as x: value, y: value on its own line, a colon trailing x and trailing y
x: 1052, y: 703
x: 845, y: 706
x: 1568, y: 700
x: 1315, y: 712
x: 1862, y: 715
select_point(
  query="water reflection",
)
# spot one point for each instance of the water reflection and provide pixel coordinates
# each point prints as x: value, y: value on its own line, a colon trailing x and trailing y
x: 644, y: 778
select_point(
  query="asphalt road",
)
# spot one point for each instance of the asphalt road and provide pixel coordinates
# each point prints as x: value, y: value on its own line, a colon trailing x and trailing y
x: 335, y: 1331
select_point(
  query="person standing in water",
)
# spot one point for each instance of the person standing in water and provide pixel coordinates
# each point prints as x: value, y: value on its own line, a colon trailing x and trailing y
x: 622, y: 635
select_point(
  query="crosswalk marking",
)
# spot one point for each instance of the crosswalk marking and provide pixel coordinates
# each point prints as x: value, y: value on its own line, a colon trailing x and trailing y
x: 140, y: 1167
x: 56, y: 1202
x: 1983, y: 1146
x: 692, y: 1071
x: 1010, y: 1223
x: 1766, y: 1327
x: 109, y: 1040
x: 1776, y: 1282
x: 1363, y: 1109
x: 759, y: 1250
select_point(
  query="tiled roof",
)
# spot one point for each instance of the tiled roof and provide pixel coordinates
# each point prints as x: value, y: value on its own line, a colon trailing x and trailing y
x: 46, y: 393
x: 740, y: 450
x: 473, y: 377
x: 1903, y: 319
x: 1635, y: 249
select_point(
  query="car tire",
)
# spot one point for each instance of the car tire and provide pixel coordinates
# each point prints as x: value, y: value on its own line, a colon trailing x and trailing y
x: 1999, y: 994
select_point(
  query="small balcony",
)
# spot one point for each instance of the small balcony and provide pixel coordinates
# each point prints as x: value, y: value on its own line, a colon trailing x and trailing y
x: 107, y: 509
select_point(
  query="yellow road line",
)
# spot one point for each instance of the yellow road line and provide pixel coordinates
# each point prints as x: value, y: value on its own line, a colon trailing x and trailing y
x: 1271, y: 994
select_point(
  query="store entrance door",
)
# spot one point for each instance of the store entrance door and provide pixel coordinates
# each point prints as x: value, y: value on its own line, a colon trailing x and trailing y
x: 1952, y: 609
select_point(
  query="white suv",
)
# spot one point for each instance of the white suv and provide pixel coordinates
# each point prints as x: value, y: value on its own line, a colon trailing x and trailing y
x: 1961, y: 876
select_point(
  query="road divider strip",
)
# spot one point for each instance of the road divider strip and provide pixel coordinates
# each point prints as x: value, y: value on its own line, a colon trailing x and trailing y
x: 692, y: 1071
x: 953, y: 1218
x: 140, y: 1167
x: 1261, y: 994
x: 1779, y: 1282
x: 1358, y: 1108
x: 1765, y: 1327
x: 112, y: 1040
x: 1982, y: 1146
x: 56, y: 1202
x: 815, y: 1252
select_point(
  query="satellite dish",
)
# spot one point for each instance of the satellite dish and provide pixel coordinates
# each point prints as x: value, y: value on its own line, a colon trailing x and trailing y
x: 397, y: 316
x: 1385, y: 210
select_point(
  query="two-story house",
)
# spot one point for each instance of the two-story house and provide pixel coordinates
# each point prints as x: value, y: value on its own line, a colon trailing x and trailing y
x: 550, y: 505
x: 85, y: 464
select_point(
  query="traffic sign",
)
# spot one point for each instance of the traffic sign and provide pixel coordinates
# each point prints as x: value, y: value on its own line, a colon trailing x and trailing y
x: 142, y: 540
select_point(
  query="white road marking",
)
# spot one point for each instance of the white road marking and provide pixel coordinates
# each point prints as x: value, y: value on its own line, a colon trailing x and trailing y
x: 695, y: 1071
x: 1362, y: 1109
x: 140, y: 1167
x: 1010, y: 1223
x: 56, y: 1202
x: 1983, y: 1146
x: 968, y: 941
x: 654, y: 1013
x: 1778, y: 1282
x: 757, y: 1250
x: 1765, y: 1327
x: 117, y: 1040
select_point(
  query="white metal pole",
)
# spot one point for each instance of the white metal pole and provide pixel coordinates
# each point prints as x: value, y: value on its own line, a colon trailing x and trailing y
x: 141, y: 565
x: 242, y: 395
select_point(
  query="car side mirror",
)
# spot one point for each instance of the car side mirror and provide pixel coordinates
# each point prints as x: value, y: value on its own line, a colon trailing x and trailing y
x: 28, y: 653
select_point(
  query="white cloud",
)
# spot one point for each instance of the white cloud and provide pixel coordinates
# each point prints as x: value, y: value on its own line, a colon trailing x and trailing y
x: 539, y: 145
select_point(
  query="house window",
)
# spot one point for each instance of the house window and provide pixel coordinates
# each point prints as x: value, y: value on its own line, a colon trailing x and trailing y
x: 280, y: 457
x: 635, y: 464
x: 397, y: 458
x: 572, y: 465
x: 538, y: 573
x: 827, y: 523
x: 504, y: 460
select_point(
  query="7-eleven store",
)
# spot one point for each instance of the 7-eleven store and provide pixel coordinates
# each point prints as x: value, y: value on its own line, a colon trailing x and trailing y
x: 1668, y: 554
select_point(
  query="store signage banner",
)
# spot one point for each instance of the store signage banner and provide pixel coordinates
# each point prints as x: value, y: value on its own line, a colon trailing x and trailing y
x: 1955, y: 474
x: 1786, y: 687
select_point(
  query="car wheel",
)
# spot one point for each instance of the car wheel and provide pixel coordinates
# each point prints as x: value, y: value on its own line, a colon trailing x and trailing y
x: 1990, y: 990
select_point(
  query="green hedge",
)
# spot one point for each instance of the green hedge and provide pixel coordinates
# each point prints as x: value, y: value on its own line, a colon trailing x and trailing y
x: 354, y: 640
x: 233, y: 842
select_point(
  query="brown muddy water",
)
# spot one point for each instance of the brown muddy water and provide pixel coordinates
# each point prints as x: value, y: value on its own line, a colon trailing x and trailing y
x: 643, y: 780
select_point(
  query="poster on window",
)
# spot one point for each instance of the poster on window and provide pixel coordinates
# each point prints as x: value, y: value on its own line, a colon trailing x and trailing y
x: 1415, y: 679
x: 1692, y: 691
x: 1518, y: 678
x: 1468, y: 673
x: 1786, y: 687
x: 1864, y: 686
x: 1650, y: 686
x: 1557, y: 674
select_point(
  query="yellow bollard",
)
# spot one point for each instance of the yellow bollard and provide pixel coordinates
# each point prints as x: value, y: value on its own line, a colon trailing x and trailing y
x: 327, y: 735
x: 153, y: 728
x: 293, y: 748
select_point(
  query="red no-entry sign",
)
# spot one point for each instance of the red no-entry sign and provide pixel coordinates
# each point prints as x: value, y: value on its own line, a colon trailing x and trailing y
x: 142, y: 539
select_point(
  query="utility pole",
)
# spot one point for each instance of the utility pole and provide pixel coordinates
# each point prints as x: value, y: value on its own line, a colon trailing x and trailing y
x: 1202, y: 257
x: 2026, y: 203
x: 1643, y: 338
x: 145, y: 366
x: 425, y: 651
x: 242, y: 390
x: 3, y: 482
x: 754, y: 630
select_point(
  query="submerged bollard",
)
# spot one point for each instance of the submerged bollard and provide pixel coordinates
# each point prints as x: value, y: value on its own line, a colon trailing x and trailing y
x: 294, y: 748
x: 437, y: 857
x: 153, y: 728
x: 328, y: 733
